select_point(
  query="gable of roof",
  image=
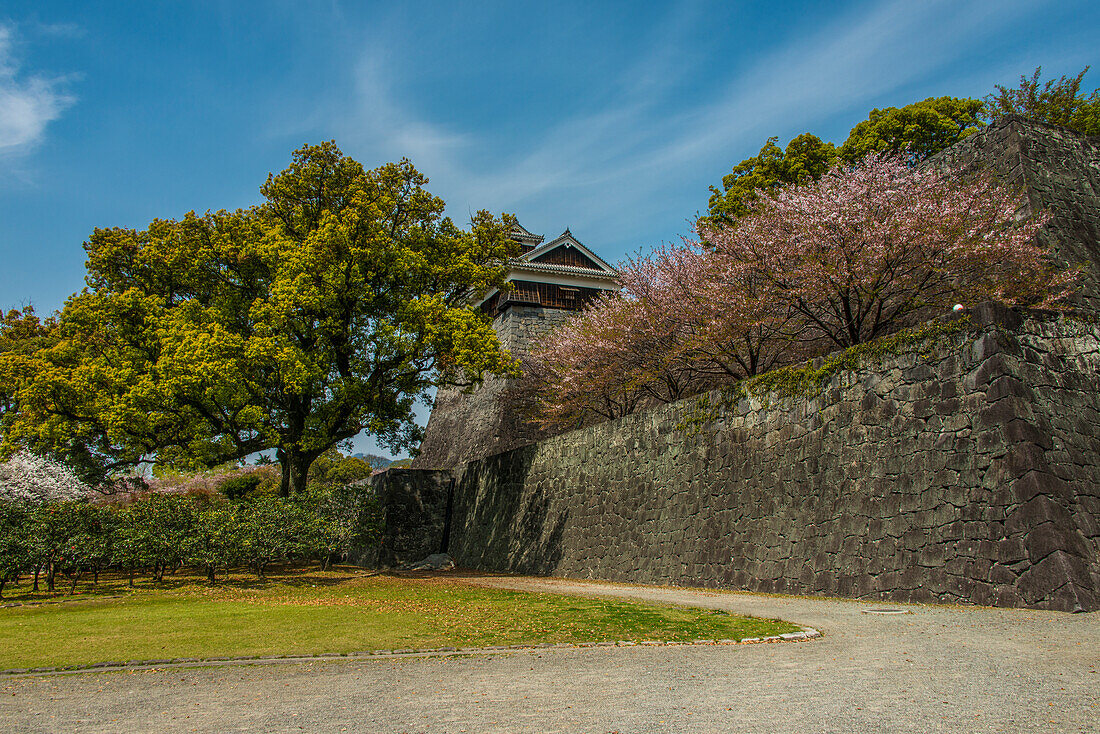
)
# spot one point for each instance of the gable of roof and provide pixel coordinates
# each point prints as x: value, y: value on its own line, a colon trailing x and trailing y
x: 581, y: 258
x: 567, y: 255
x: 523, y: 235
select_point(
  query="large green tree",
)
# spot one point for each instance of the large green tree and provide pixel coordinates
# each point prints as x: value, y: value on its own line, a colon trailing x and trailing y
x: 1060, y: 102
x: 294, y: 325
x: 918, y: 130
x: 22, y: 333
x: 805, y: 159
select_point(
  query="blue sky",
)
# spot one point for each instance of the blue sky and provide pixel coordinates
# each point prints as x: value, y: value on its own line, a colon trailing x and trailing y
x: 611, y: 119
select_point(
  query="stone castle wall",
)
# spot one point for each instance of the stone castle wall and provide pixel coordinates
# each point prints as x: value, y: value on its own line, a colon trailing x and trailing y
x: 486, y: 420
x: 521, y: 326
x: 964, y: 471
x: 1059, y: 170
x: 968, y: 471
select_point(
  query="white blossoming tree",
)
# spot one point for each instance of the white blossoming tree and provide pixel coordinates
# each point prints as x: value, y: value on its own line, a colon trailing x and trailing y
x: 26, y: 477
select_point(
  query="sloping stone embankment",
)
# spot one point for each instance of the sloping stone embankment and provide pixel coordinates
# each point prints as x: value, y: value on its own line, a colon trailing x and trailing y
x: 963, y: 471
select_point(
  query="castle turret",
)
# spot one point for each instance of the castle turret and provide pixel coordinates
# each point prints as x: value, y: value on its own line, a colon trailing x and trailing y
x: 545, y: 283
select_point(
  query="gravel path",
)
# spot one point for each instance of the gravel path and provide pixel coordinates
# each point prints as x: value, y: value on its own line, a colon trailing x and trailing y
x: 937, y: 669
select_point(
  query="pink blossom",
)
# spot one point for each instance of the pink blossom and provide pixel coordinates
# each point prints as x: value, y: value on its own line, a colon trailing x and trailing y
x: 864, y: 251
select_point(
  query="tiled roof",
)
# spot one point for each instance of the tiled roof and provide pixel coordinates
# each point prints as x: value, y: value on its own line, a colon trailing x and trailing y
x: 563, y: 238
x: 521, y: 233
x: 563, y: 269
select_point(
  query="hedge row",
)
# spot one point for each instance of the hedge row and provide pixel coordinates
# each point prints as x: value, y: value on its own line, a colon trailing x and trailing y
x: 162, y: 532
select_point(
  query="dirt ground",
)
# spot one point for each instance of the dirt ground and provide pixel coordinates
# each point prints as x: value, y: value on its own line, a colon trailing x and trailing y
x: 933, y: 669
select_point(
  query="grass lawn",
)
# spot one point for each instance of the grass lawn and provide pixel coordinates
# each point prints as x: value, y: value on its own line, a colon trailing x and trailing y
x: 312, y: 612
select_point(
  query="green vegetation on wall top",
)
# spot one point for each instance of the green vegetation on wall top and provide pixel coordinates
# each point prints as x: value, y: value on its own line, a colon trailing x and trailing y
x: 919, y: 130
x: 806, y: 381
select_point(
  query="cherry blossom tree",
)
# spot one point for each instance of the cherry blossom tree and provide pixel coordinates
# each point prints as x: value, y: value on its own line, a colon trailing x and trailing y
x: 720, y: 317
x: 585, y: 368
x: 30, y: 478
x: 879, y: 245
x: 683, y: 322
x: 866, y: 250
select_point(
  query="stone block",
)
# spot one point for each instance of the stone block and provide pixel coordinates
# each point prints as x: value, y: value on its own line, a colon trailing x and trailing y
x: 1057, y: 570
x: 1007, y: 596
x: 1003, y: 411
x: 1021, y: 431
x: 1001, y: 574
x: 986, y: 372
x: 1022, y: 458
x: 1006, y: 386
x: 1049, y: 537
x: 1040, y: 484
x: 985, y: 346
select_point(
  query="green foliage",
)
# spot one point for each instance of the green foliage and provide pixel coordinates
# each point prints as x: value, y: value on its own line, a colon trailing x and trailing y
x: 333, y: 468
x: 295, y: 325
x: 157, y: 532
x: 218, y: 542
x: 240, y: 486
x: 1058, y: 102
x: 22, y: 334
x: 73, y: 537
x: 339, y: 517
x: 17, y: 548
x: 805, y: 159
x: 242, y: 524
x: 272, y: 529
x: 376, y: 461
x: 918, y: 130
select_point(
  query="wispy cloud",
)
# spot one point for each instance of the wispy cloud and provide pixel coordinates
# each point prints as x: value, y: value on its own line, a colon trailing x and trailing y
x: 639, y: 153
x: 616, y: 167
x: 58, y: 30
x: 28, y: 102
x: 380, y: 120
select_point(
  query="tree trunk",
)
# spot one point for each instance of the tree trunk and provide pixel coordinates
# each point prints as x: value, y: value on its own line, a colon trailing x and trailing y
x: 131, y: 577
x: 284, y: 485
x: 295, y: 465
x: 2, y: 582
x: 210, y: 574
x: 50, y: 573
x: 37, y: 569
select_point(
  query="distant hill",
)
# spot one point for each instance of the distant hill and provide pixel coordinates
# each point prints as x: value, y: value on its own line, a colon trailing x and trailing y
x: 378, y: 462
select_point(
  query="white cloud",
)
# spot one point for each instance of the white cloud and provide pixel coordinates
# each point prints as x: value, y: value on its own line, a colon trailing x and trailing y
x: 58, y: 30
x: 623, y: 166
x: 383, y: 122
x: 610, y: 166
x: 28, y: 103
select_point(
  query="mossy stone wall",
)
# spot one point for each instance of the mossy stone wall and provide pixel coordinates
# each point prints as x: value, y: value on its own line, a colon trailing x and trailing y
x: 964, y: 470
